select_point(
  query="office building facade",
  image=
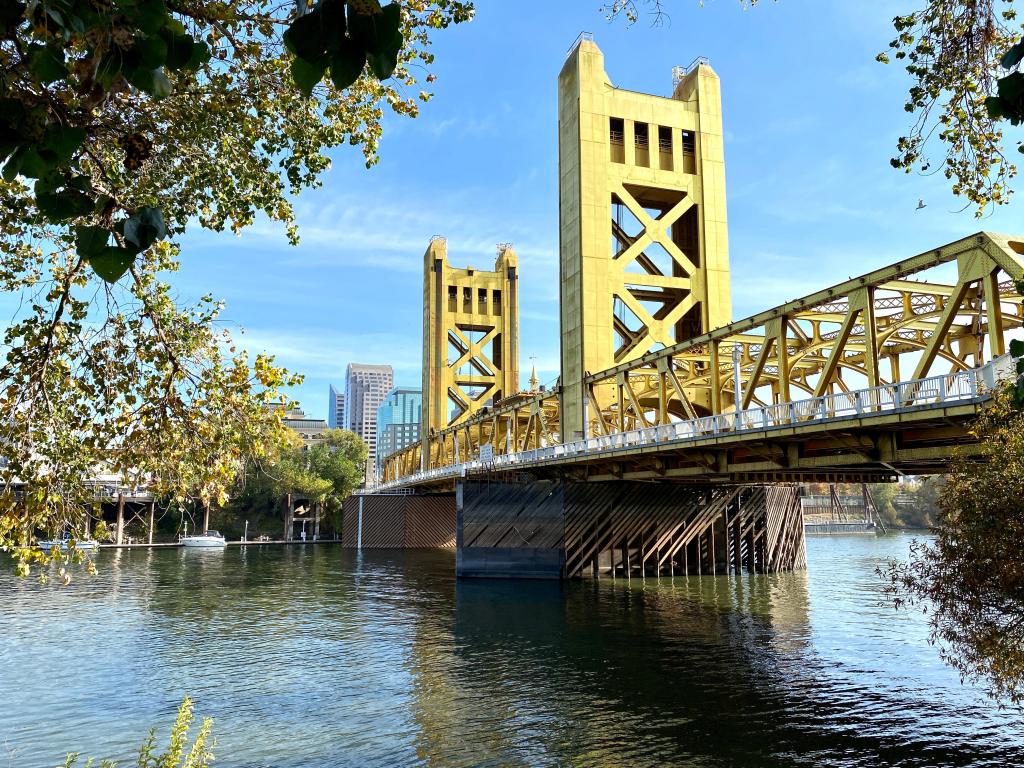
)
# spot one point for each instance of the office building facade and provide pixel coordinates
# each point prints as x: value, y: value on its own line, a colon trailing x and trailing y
x: 366, y: 386
x: 398, y: 422
x: 335, y: 409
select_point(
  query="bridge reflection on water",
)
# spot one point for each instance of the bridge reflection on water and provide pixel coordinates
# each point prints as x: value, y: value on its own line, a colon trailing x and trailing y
x: 320, y: 656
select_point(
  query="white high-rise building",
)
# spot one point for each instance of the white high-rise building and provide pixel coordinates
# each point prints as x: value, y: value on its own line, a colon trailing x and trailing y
x: 366, y: 386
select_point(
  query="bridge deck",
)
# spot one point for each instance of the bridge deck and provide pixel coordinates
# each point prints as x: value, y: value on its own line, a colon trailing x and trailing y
x: 873, y: 433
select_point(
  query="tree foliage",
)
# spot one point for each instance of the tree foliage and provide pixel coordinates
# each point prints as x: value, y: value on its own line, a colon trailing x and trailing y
x: 122, y: 123
x: 970, y: 580
x: 324, y: 474
x: 964, y: 60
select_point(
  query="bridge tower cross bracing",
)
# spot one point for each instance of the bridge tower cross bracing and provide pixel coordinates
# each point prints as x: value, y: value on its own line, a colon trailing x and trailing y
x: 470, y: 338
x: 643, y: 238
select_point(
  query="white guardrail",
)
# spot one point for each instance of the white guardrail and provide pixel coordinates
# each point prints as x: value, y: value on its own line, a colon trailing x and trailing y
x: 915, y: 395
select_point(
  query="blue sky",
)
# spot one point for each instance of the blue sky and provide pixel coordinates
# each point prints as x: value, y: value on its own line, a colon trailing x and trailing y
x: 810, y: 124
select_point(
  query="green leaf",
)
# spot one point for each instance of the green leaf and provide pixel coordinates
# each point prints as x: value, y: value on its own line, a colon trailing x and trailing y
x: 179, y: 49
x: 383, y: 64
x: 347, y: 65
x: 112, y: 262
x: 150, y: 15
x: 152, y: 51
x: 307, y: 74
x: 1017, y: 348
x: 36, y: 163
x: 13, y: 165
x: 91, y: 241
x: 63, y: 205
x: 1013, y: 56
x: 161, y: 85
x: 47, y: 63
x: 144, y: 227
x: 994, y: 105
x: 332, y: 14
x: 200, y: 55
x: 64, y: 140
x: 377, y: 32
x: 152, y: 81
x: 1011, y: 89
x: 306, y: 37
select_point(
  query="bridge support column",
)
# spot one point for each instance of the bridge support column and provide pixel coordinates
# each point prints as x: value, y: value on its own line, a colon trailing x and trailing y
x: 559, y: 529
x: 394, y: 521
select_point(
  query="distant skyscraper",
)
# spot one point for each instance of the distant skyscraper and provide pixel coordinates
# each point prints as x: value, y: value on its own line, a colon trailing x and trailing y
x: 366, y: 386
x: 336, y: 409
x: 398, y: 422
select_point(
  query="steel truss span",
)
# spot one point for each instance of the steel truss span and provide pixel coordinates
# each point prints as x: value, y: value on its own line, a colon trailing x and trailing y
x: 874, y: 376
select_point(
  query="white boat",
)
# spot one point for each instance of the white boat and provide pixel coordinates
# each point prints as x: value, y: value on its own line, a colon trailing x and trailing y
x: 206, y: 540
x: 64, y: 543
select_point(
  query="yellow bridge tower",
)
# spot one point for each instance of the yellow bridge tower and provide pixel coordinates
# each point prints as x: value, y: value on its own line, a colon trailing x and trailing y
x: 470, y: 337
x: 643, y: 242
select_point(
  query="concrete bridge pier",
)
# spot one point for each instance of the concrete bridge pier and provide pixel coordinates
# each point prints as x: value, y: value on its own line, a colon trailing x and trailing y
x: 550, y: 529
x: 398, y: 521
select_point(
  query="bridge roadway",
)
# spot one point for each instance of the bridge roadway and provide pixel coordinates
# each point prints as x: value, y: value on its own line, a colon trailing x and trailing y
x: 867, y: 434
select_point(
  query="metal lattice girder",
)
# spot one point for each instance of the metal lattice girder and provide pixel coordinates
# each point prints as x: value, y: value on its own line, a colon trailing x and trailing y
x: 885, y: 327
x: 470, y: 336
x: 643, y: 249
x: 881, y: 328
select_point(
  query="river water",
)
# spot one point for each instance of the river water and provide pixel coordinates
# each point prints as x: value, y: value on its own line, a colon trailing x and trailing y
x: 317, y: 656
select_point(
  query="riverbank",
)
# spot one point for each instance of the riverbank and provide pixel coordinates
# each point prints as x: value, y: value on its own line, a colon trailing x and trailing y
x: 176, y: 544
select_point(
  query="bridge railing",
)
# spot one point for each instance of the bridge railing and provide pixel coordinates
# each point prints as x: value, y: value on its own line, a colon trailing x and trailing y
x: 972, y: 385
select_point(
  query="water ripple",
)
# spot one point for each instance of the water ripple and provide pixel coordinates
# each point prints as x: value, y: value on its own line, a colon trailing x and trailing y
x: 323, y: 657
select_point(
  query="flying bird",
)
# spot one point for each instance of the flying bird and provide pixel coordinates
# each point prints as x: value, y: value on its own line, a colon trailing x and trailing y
x: 920, y: 204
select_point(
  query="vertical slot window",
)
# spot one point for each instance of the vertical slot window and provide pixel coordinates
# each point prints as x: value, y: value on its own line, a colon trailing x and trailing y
x: 617, y: 139
x: 642, y: 139
x: 689, y: 152
x: 664, y: 148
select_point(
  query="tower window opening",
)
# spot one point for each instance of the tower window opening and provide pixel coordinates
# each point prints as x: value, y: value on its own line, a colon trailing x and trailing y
x: 467, y: 299
x: 664, y: 138
x: 481, y: 300
x: 641, y: 138
x: 665, y: 147
x: 496, y: 302
x: 616, y: 130
x: 453, y: 297
x: 689, y: 142
x: 640, y: 131
x: 616, y: 138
